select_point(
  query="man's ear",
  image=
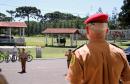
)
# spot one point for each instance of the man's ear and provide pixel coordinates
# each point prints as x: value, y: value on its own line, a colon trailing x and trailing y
x: 87, y: 30
x: 107, y: 30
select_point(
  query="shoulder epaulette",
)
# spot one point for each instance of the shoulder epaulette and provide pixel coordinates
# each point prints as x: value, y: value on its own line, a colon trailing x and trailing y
x: 116, y: 45
x: 78, y: 47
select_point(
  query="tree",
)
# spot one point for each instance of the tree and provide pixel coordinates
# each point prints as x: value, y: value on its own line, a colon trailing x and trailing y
x: 28, y: 12
x: 113, y: 23
x: 64, y: 20
x: 99, y: 10
x: 11, y: 12
x: 55, y: 16
x: 3, y: 17
x: 124, y: 15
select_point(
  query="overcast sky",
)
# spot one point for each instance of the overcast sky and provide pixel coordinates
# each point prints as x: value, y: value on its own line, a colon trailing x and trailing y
x: 76, y: 7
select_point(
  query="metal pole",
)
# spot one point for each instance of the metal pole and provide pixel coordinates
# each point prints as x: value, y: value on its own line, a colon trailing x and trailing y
x: 23, y: 32
x: 10, y: 34
x: 52, y: 39
x: 20, y: 32
x: 46, y: 39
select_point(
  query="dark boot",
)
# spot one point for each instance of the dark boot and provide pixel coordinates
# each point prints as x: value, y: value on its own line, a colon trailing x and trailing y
x: 23, y: 71
x: 0, y: 70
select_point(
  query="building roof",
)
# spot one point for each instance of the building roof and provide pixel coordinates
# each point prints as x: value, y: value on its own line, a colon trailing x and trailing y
x: 60, y: 31
x: 13, y: 24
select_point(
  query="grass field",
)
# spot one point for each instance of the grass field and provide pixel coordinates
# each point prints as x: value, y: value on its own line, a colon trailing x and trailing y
x: 34, y: 41
x: 56, y: 52
x: 47, y: 52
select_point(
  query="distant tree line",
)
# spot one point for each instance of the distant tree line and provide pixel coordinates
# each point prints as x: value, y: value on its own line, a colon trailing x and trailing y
x: 40, y: 22
x: 124, y: 15
x: 37, y: 22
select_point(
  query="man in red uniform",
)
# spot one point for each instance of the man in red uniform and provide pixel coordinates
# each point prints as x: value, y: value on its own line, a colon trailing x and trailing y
x: 98, y: 62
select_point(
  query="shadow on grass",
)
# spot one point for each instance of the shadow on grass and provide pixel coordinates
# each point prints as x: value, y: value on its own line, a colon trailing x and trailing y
x: 61, y: 46
x: 125, y: 44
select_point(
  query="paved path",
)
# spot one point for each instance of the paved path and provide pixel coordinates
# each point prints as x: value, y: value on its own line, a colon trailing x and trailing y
x: 38, y: 72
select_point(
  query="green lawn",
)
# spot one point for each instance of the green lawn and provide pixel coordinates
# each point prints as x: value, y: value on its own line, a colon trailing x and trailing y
x: 34, y: 41
x: 56, y: 52
x: 47, y: 52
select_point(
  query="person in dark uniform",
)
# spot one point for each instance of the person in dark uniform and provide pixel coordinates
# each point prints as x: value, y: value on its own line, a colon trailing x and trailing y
x: 23, y: 59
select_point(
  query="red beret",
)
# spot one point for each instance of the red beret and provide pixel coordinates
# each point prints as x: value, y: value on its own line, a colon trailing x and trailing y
x: 99, y: 17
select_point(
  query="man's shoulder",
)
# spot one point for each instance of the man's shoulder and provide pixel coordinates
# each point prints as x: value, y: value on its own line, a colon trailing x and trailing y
x: 81, y: 50
x: 78, y: 47
x: 115, y: 48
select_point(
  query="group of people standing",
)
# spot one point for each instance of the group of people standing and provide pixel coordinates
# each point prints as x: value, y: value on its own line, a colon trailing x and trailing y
x: 22, y: 57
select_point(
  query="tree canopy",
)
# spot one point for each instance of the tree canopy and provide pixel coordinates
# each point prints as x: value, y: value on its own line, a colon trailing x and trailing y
x: 124, y: 15
x: 59, y: 16
x: 54, y: 19
x: 11, y: 12
x: 3, y: 17
x: 28, y: 12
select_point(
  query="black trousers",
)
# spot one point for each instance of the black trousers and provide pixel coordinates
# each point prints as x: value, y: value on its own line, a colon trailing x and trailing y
x: 23, y: 64
x: 68, y: 63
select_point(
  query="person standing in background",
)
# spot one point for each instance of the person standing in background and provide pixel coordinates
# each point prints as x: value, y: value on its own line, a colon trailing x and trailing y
x: 23, y: 59
x: 14, y: 54
x: 68, y: 54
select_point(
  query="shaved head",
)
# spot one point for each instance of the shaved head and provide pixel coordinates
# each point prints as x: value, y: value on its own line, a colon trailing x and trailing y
x: 97, y: 30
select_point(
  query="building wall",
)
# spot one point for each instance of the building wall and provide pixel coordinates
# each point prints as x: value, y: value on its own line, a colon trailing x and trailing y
x: 119, y: 34
x: 123, y: 34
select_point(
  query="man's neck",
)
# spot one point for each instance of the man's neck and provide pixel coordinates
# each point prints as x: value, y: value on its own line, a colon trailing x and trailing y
x: 97, y: 40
